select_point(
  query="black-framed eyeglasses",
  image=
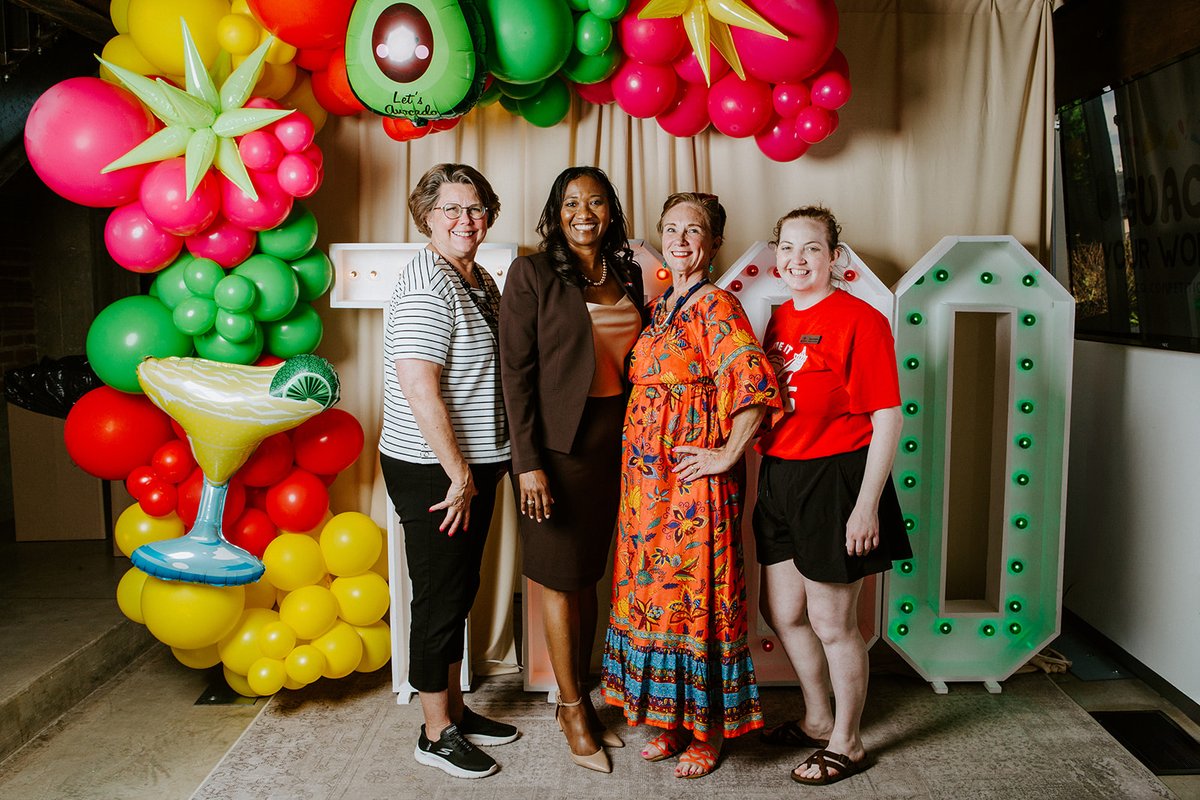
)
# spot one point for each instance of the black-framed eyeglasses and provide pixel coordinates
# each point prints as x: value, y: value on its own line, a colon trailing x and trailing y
x: 454, y: 211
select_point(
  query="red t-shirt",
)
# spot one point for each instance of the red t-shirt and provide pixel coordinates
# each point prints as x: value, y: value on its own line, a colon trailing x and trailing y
x: 836, y: 363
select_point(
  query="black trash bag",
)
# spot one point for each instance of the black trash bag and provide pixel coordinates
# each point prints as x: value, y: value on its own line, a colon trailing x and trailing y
x: 50, y: 386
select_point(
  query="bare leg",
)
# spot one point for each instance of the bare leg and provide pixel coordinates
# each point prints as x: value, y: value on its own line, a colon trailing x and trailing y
x: 832, y: 608
x: 442, y: 709
x: 785, y: 604
x: 560, y: 615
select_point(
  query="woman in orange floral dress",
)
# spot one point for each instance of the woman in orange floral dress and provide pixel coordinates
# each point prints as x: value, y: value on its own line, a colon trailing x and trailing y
x: 701, y: 385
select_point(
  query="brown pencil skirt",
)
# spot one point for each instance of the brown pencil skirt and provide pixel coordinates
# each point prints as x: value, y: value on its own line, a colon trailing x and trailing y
x: 569, y: 550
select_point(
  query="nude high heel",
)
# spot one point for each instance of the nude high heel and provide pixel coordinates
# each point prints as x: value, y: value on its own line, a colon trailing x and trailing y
x: 598, y: 760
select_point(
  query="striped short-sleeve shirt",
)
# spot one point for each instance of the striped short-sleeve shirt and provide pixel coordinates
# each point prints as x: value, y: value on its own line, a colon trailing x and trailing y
x: 431, y: 317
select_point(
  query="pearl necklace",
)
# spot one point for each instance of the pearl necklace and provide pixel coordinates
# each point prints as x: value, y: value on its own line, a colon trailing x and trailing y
x: 603, y: 274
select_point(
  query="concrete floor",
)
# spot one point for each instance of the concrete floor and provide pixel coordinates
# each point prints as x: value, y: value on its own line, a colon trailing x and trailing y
x: 129, y: 726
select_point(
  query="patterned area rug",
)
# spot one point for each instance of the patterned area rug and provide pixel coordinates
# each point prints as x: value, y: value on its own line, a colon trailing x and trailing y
x: 349, y: 739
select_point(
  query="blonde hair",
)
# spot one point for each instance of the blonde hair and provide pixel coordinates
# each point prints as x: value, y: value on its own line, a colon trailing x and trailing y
x: 425, y: 193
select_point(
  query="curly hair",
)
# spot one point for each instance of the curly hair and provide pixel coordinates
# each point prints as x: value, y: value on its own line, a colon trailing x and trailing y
x: 425, y: 193
x: 614, y: 245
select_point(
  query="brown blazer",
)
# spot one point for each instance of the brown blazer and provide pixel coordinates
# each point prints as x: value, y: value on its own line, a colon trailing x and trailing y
x: 547, y: 358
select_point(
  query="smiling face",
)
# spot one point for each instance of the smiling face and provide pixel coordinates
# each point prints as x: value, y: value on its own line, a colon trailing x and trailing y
x: 687, y: 241
x: 804, y: 258
x: 456, y: 240
x: 585, y: 213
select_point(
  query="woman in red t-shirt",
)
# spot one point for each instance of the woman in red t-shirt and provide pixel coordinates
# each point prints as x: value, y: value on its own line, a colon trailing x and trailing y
x: 827, y: 513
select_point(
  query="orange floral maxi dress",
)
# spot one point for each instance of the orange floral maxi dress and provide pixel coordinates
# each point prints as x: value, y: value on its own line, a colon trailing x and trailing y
x: 675, y: 654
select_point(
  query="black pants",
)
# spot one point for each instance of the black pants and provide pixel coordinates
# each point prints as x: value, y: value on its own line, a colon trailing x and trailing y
x: 444, y: 569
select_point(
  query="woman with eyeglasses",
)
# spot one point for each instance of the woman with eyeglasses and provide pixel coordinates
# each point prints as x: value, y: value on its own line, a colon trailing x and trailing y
x: 676, y: 654
x: 568, y: 318
x: 827, y: 514
x: 443, y: 449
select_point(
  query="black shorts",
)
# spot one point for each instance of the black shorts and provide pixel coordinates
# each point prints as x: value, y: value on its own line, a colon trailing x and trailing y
x: 801, y: 515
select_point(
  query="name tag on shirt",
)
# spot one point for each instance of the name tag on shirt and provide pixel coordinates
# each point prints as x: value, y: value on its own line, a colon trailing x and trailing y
x: 810, y: 338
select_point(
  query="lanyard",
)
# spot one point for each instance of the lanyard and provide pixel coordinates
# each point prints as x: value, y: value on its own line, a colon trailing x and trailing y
x: 680, y: 303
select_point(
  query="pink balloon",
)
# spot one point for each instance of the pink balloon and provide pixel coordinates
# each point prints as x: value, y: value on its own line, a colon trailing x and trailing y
x: 297, y: 176
x: 644, y: 90
x: 79, y: 126
x: 164, y: 197
x: 314, y: 154
x: 779, y: 140
x: 136, y: 243
x: 689, y: 115
x: 837, y: 63
x: 813, y: 124
x: 295, y: 132
x: 654, y: 41
x: 270, y: 209
x: 223, y: 242
x: 834, y: 121
x: 260, y: 150
x: 830, y: 90
x: 263, y: 102
x: 687, y: 66
x: 812, y: 28
x: 599, y: 93
x: 739, y: 108
x: 789, y: 98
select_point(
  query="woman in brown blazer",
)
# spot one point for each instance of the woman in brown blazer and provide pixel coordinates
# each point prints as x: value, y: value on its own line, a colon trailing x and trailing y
x: 568, y: 318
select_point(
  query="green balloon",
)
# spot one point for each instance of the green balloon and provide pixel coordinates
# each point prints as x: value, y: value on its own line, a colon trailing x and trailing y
x: 216, y: 347
x: 591, y: 69
x: 528, y: 40
x: 278, y: 289
x: 293, y: 237
x: 169, y: 286
x: 195, y: 315
x: 202, y: 276
x: 511, y: 105
x: 578, y: 5
x: 608, y: 9
x: 548, y: 107
x: 236, y: 328
x: 297, y: 333
x: 593, y: 35
x: 126, y: 332
x: 519, y: 91
x: 314, y: 272
x: 490, y: 95
x: 235, y: 294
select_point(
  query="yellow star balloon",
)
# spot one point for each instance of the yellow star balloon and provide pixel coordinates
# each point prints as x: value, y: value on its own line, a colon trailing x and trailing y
x: 707, y: 22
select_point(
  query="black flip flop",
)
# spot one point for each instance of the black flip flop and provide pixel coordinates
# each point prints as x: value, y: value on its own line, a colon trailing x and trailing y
x: 824, y: 759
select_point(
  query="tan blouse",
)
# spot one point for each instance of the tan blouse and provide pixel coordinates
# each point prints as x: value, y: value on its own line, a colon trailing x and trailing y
x: 614, y: 330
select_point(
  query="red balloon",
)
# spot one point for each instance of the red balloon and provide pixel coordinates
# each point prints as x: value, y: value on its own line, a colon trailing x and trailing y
x: 180, y: 433
x: 164, y: 196
x: 256, y: 497
x: 329, y: 442
x: 445, y: 124
x: 600, y: 94
x: 139, y: 480
x: 298, y: 502
x: 403, y: 130
x: 224, y: 242
x: 644, y: 90
x: 779, y: 140
x: 837, y: 63
x: 269, y: 463
x: 311, y: 59
x: 687, y: 66
x: 689, y: 115
x: 269, y: 210
x: 109, y: 433
x: 318, y: 24
x: 813, y: 124
x: 654, y: 41
x: 268, y: 360
x: 173, y: 462
x: 252, y: 531
x: 812, y: 28
x: 159, y: 499
x: 830, y: 90
x: 739, y: 107
x: 189, y: 499
x: 331, y: 88
x: 789, y: 98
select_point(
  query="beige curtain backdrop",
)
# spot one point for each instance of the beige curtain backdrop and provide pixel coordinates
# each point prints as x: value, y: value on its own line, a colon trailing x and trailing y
x: 949, y: 131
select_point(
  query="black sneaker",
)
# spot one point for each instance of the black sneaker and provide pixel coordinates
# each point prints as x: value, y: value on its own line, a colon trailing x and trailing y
x: 486, y: 732
x: 454, y: 755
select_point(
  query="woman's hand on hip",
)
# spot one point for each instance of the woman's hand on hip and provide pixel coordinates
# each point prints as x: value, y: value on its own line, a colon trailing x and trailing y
x: 535, y: 499
x: 862, y: 531
x: 697, y: 462
x: 457, y: 505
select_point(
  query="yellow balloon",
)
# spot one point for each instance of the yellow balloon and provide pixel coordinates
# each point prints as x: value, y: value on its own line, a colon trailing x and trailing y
x: 239, y: 683
x: 118, y: 12
x: 238, y: 34
x: 135, y: 528
x: 309, y: 611
x: 202, y: 658
x: 122, y: 51
x: 190, y: 615
x: 129, y: 594
x: 301, y: 98
x: 260, y: 594
x: 382, y: 564
x: 155, y: 27
x: 239, y: 648
x: 276, y: 639
x: 304, y: 664
x: 350, y: 542
x: 362, y: 599
x: 342, y: 648
x: 276, y: 80
x: 241, y: 7
x: 266, y: 676
x: 280, y: 52
x: 377, y: 646
x: 293, y: 560
x: 289, y: 683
